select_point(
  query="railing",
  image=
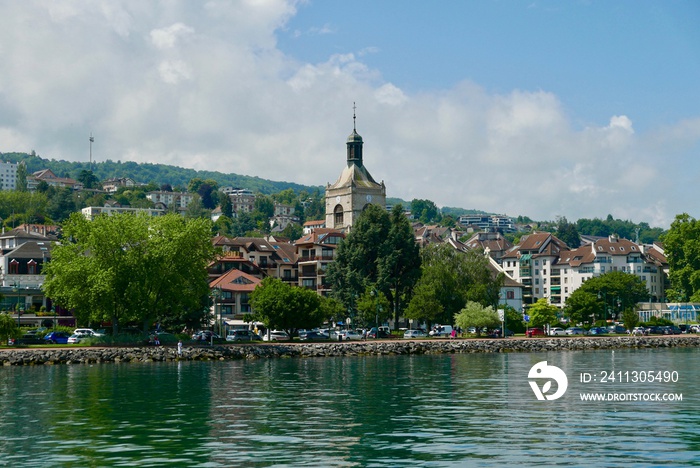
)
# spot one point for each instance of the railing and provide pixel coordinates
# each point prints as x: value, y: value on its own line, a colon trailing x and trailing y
x: 317, y: 258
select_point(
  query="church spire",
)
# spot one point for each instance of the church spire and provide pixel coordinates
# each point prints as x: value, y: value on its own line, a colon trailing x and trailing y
x: 354, y: 143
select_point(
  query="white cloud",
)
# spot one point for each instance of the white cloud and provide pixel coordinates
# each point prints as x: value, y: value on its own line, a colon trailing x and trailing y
x: 205, y: 86
x: 174, y: 71
x: 166, y: 38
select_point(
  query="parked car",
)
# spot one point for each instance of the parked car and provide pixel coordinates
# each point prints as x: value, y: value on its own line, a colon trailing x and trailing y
x: 350, y: 335
x: 530, y: 332
x: 85, y: 332
x: 619, y: 329
x: 75, y: 338
x: 575, y: 331
x: 242, y: 335
x: 276, y: 335
x: 411, y: 334
x: 374, y: 333
x: 671, y: 330
x: 496, y: 333
x: 655, y: 330
x: 441, y: 330
x: 57, y: 337
x: 206, y: 336
x: 313, y: 336
x: 29, y: 338
x: 557, y: 331
x: 640, y: 331
x: 598, y: 331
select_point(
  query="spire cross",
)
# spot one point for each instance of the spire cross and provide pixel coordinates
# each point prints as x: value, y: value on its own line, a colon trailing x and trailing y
x: 353, y: 116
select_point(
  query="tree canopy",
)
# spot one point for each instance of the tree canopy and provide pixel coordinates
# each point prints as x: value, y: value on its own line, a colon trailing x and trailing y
x: 452, y: 278
x: 682, y: 248
x: 476, y: 315
x: 380, y: 253
x: 132, y: 269
x: 604, y: 297
x: 283, y: 307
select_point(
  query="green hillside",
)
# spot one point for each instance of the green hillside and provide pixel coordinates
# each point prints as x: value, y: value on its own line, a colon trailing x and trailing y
x: 156, y: 173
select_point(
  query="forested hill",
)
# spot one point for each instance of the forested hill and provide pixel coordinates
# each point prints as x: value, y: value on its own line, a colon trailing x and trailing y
x: 147, y: 172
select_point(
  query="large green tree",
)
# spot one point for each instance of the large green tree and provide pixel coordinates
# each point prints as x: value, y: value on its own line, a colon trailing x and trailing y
x: 399, y: 267
x: 476, y: 315
x: 605, y: 297
x: 567, y: 233
x: 132, y: 269
x: 542, y: 313
x: 283, y: 307
x: 379, y: 253
x: 682, y: 249
x: 452, y: 277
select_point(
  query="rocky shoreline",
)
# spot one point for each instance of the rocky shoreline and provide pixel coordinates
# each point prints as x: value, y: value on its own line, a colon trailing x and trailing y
x: 38, y: 356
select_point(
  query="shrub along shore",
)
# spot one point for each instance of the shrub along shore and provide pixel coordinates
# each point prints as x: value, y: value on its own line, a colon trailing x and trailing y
x: 44, y: 356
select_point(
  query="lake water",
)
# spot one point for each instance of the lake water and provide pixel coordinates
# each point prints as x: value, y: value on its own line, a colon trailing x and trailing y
x: 432, y: 410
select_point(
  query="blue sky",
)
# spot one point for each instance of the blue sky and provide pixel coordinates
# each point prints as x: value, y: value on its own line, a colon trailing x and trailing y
x: 536, y: 108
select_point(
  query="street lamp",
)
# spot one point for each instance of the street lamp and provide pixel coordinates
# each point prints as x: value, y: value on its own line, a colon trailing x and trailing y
x: 16, y: 287
x: 605, y: 300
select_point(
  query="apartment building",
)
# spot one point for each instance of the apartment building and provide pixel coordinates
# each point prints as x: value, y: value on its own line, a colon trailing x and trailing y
x: 547, y: 268
x: 315, y: 251
x: 8, y: 175
x: 177, y: 200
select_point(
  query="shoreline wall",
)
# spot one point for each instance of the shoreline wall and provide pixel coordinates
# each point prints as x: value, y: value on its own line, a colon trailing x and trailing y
x: 39, y: 356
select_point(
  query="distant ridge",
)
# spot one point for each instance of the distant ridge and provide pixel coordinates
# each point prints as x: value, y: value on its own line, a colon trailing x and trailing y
x: 149, y: 172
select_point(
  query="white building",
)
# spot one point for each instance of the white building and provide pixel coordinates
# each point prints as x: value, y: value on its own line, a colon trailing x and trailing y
x: 178, y: 200
x: 8, y: 175
x: 547, y: 268
x: 91, y: 212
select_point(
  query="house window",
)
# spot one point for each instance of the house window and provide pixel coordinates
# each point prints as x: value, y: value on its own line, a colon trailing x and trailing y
x: 14, y: 267
x: 31, y: 267
x: 510, y: 294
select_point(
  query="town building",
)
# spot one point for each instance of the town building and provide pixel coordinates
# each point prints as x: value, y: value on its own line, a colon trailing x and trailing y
x: 23, y: 254
x: 486, y: 222
x: 354, y: 190
x: 114, y: 184
x: 242, y: 200
x: 315, y: 251
x: 547, y: 268
x: 173, y: 200
x: 91, y: 212
x: 8, y: 175
x: 47, y: 175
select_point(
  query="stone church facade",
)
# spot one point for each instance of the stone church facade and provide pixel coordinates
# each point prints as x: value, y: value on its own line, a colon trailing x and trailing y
x: 354, y: 190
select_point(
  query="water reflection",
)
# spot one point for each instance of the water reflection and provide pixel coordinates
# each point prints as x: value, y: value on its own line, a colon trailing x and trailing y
x: 433, y: 410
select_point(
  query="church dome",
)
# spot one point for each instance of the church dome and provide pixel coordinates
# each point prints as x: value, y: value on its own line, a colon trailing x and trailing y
x: 354, y: 137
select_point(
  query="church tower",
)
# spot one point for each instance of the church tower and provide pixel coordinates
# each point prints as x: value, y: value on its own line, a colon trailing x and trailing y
x: 354, y: 189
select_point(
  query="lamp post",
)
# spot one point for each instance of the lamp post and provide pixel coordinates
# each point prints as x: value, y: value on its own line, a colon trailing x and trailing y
x: 605, y: 301
x: 16, y: 287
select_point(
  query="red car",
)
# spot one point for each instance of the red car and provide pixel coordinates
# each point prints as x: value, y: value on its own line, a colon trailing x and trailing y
x: 534, y: 332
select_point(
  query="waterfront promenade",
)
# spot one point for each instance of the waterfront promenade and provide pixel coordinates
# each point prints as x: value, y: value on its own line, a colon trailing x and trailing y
x: 91, y: 355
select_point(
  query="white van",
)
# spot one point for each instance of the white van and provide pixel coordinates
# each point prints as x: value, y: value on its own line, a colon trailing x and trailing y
x: 441, y: 330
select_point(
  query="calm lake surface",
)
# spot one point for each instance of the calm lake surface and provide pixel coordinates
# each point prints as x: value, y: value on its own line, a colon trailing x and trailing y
x: 432, y: 410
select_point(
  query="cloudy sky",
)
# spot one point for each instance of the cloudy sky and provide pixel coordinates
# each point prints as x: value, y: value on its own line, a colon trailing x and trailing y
x: 539, y: 108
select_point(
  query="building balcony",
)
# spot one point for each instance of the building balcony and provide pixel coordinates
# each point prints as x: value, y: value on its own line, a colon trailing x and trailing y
x: 316, y: 258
